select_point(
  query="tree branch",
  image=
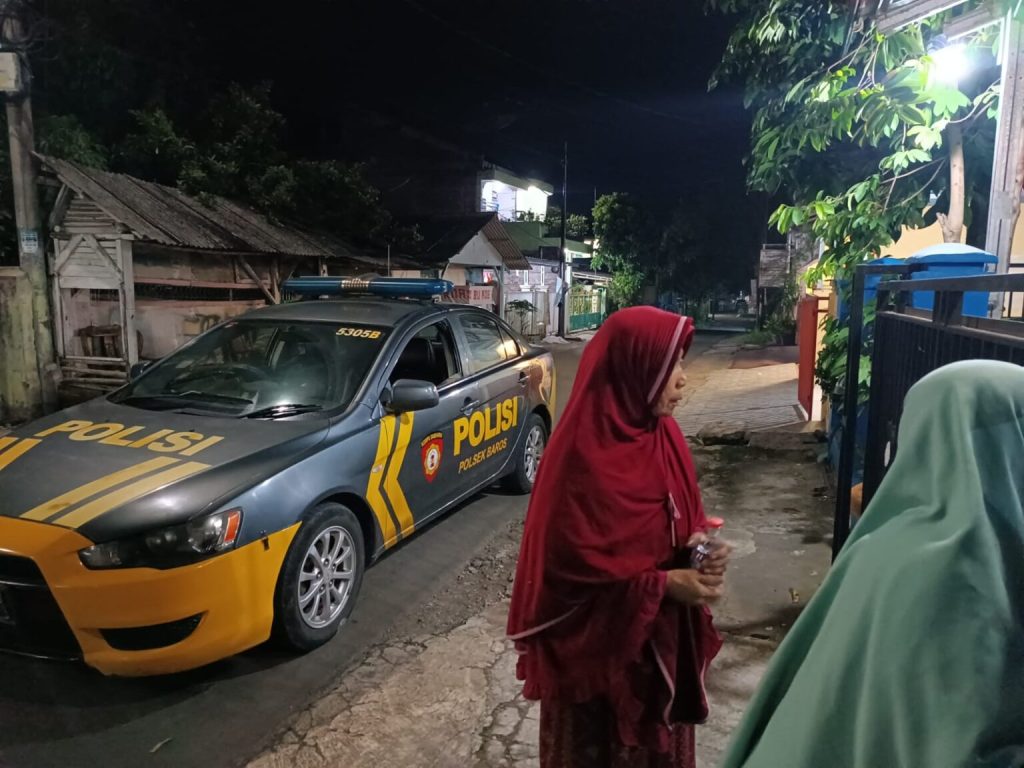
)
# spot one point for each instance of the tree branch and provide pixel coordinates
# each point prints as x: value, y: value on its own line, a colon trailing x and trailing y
x: 927, y: 184
x: 918, y: 169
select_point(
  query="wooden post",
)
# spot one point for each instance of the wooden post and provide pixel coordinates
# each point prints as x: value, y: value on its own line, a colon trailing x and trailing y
x: 1008, y: 159
x: 131, y: 339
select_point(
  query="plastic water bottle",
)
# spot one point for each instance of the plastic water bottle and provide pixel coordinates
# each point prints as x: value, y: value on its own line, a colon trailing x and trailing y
x: 703, y: 550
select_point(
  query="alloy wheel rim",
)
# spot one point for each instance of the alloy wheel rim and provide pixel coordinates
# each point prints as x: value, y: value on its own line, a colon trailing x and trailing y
x: 534, y: 451
x: 325, y: 581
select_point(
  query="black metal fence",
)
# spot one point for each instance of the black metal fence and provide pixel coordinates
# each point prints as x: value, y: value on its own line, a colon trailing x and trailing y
x: 908, y: 344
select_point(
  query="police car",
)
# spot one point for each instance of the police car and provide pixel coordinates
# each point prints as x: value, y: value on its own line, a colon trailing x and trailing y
x: 238, y: 488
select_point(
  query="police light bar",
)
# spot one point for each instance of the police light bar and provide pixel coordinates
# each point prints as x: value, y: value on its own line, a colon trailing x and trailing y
x: 392, y: 287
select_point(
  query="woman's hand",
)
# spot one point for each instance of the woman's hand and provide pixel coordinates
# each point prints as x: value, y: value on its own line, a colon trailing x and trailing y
x: 716, y: 563
x: 692, y: 587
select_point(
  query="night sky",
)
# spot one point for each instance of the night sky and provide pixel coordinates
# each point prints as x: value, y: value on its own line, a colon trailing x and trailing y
x: 623, y: 81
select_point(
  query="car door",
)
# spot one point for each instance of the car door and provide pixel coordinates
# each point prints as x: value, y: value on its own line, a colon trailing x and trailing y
x: 486, y: 433
x: 421, y: 476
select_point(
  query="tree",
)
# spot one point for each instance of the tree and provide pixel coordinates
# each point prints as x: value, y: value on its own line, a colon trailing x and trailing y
x: 691, y: 257
x: 857, y: 131
x: 126, y: 85
x: 624, y: 231
x: 239, y: 155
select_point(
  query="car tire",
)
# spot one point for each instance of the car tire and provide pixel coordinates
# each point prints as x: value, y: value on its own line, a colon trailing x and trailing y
x: 535, y: 439
x: 320, y: 578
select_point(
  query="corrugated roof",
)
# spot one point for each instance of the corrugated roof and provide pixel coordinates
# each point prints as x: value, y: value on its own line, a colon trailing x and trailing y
x: 505, y: 245
x: 168, y: 216
x: 444, y: 237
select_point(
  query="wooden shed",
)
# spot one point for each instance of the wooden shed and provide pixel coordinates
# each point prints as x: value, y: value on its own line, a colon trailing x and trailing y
x: 138, y: 268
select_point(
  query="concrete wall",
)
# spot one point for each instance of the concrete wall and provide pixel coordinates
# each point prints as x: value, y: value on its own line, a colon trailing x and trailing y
x: 479, y: 252
x: 913, y: 240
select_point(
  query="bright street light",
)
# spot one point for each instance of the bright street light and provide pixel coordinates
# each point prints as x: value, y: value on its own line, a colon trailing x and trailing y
x: 950, y: 62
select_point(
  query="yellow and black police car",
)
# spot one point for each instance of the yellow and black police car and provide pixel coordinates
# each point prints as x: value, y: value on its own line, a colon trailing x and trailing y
x: 238, y: 488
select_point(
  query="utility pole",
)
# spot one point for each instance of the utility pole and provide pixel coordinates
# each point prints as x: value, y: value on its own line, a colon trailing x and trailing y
x: 24, y: 175
x: 563, y: 310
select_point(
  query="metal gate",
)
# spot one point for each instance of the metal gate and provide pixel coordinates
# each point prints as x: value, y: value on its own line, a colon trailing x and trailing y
x: 909, y: 344
x: 586, y: 309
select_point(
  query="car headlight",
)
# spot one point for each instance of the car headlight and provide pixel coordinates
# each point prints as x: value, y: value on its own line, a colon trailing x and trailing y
x: 169, y: 547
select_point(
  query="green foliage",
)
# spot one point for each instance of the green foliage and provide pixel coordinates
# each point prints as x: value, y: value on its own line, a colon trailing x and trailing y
x: 677, y: 251
x: 154, y: 150
x: 850, y: 128
x: 626, y: 285
x: 136, y: 86
x: 238, y: 154
x: 64, y: 136
x: 624, y: 228
x: 757, y: 338
x: 782, y: 321
x: 831, y: 367
x: 577, y: 226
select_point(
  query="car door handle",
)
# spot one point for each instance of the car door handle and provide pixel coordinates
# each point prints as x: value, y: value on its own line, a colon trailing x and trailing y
x: 469, y: 406
x: 524, y: 378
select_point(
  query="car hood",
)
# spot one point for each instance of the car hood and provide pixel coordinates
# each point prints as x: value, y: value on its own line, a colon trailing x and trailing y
x: 110, y: 470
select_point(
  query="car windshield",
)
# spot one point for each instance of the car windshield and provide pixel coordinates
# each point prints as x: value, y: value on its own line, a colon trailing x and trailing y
x: 260, y: 368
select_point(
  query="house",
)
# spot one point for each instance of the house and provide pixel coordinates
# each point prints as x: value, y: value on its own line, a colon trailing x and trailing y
x: 541, y: 285
x: 473, y: 251
x: 137, y: 269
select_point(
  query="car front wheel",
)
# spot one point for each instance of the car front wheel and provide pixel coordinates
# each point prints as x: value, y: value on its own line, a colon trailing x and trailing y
x: 320, y: 579
x: 524, y: 476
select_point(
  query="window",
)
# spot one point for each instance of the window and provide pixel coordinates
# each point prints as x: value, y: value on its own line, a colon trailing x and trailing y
x: 245, y: 366
x: 508, y: 340
x: 429, y: 356
x: 486, y: 344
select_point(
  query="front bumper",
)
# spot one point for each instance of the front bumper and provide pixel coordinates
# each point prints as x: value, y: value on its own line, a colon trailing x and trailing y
x: 204, y: 612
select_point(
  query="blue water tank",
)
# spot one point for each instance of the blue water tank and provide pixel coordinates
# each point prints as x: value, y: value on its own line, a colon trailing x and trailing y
x: 952, y: 260
x: 870, y: 286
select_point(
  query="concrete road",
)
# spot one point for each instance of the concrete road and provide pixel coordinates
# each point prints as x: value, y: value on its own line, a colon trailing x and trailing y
x: 60, y: 715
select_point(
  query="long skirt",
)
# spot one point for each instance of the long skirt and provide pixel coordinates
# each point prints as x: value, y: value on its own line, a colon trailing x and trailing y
x: 586, y: 736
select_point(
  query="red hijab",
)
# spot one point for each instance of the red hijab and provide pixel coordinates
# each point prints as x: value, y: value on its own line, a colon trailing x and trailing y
x: 616, y: 500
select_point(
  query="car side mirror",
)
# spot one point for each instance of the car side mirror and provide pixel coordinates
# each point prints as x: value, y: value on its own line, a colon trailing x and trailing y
x: 138, y: 369
x: 408, y: 395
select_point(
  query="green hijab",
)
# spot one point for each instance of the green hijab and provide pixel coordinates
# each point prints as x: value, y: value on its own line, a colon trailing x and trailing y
x: 911, y: 655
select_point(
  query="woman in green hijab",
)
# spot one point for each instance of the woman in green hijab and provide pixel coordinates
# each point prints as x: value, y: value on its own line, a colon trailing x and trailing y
x: 911, y: 655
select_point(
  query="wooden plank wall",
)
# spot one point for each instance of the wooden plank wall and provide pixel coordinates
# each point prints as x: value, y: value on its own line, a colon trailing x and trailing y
x: 20, y: 390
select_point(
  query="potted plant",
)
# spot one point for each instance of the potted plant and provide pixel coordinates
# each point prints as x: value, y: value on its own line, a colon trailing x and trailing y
x: 521, y: 308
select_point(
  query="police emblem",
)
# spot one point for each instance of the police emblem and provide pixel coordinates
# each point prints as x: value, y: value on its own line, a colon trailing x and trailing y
x: 432, y: 448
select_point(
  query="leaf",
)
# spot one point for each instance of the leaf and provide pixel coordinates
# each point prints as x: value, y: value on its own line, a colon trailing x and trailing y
x: 926, y: 137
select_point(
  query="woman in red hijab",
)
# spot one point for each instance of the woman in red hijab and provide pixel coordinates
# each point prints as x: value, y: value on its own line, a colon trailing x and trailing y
x: 611, y: 624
